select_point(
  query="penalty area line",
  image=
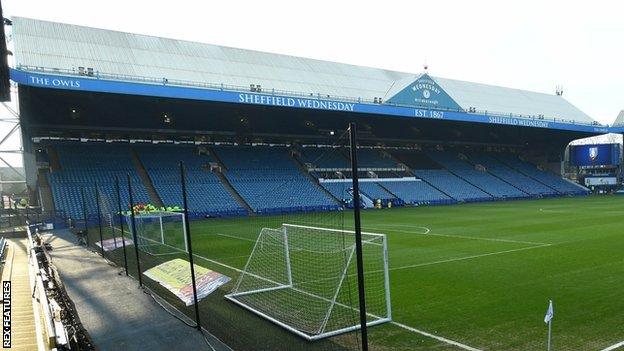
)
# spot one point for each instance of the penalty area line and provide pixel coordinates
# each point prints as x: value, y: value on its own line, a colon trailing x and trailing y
x: 467, y: 257
x: 400, y: 325
x: 614, y: 346
x: 428, y: 232
x: 436, y: 337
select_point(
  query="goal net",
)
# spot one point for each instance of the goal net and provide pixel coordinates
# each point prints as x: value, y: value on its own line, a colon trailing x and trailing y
x: 159, y: 233
x: 305, y: 280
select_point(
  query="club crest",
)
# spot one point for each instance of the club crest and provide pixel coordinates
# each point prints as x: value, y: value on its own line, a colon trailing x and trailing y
x: 593, y: 153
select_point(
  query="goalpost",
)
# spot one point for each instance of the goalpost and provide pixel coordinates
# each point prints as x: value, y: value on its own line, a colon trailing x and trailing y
x: 159, y: 233
x: 304, y: 279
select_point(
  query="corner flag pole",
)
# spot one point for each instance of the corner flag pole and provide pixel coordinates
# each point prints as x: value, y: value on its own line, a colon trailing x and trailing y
x: 549, y: 333
x: 358, y: 235
x: 550, y: 313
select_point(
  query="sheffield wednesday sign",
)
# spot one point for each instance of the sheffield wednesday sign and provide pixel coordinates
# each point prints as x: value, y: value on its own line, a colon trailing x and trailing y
x: 425, y: 92
x: 273, y: 100
x: 92, y: 84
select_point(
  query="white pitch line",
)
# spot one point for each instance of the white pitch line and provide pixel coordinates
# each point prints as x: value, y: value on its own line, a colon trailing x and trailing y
x: 414, y: 330
x: 427, y: 229
x: 235, y: 237
x: 467, y: 257
x: 537, y: 245
x: 428, y: 232
x: 406, y: 327
x: 433, y: 336
x: 400, y: 325
x: 468, y: 237
x: 489, y: 239
x: 614, y: 346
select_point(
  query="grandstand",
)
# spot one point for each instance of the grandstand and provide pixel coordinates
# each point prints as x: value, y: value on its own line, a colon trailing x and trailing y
x: 239, y: 178
x: 234, y: 174
x: 86, y: 166
x: 207, y: 195
x: 480, y: 178
x: 519, y: 180
x: 263, y: 143
x: 269, y: 180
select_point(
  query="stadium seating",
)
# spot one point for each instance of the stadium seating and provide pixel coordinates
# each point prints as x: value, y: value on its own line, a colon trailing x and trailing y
x: 416, y: 192
x: 340, y: 190
x: 375, y: 192
x: 205, y: 192
x: 415, y: 159
x: 373, y: 158
x: 549, y: 179
x: 326, y: 157
x: 511, y: 176
x: 369, y: 189
x: 84, y: 165
x: 479, y: 178
x: 270, y: 181
x: 452, y: 185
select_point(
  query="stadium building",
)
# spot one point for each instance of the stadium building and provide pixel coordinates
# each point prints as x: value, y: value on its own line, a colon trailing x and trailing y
x: 127, y: 136
x: 95, y: 102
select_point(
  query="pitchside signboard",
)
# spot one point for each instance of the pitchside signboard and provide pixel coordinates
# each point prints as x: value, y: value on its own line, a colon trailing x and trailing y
x: 595, y: 155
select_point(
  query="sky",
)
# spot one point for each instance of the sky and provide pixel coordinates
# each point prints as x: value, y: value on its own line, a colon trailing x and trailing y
x: 528, y: 44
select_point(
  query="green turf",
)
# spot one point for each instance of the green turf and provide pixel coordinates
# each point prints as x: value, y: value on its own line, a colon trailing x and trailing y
x: 481, y: 276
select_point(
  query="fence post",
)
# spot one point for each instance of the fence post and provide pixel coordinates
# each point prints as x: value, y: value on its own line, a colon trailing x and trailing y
x: 134, y: 234
x: 26, y: 209
x: 358, y: 235
x: 84, y: 215
x: 123, y: 241
x: 99, y: 215
x: 188, y: 242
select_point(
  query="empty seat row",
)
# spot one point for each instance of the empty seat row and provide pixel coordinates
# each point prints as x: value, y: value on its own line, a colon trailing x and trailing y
x: 268, y: 178
x: 480, y: 178
x: 206, y: 195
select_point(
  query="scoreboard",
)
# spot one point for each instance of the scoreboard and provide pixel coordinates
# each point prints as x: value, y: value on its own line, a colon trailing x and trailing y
x: 595, y: 155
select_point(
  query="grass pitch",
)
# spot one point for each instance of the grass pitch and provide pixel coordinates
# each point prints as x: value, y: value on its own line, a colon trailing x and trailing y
x: 474, y: 276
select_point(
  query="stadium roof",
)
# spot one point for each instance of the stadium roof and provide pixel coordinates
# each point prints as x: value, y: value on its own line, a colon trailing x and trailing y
x: 67, y: 47
x: 619, y: 121
x: 611, y: 138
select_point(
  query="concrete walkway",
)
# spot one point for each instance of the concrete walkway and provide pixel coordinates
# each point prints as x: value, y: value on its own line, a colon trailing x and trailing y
x: 116, y: 313
x: 23, y: 335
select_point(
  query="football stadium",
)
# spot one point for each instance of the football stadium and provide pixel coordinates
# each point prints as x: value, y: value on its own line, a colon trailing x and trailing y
x: 276, y: 202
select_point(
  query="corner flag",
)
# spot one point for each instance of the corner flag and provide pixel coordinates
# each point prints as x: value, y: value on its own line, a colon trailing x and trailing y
x: 550, y: 313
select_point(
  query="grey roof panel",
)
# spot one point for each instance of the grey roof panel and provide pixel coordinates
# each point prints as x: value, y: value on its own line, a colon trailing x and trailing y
x: 56, y: 45
x: 507, y: 100
x: 619, y: 121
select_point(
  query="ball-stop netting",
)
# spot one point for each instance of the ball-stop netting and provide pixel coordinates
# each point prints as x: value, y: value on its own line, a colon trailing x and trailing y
x: 301, y: 278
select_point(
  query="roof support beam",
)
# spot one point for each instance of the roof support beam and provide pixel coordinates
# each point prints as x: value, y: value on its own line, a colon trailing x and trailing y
x: 15, y: 127
x: 13, y: 168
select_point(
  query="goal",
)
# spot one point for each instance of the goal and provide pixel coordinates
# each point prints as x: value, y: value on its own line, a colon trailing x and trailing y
x: 159, y: 233
x: 305, y: 280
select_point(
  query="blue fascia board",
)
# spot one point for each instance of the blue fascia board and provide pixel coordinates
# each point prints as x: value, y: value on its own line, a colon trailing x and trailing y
x: 619, y: 129
x: 64, y: 82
